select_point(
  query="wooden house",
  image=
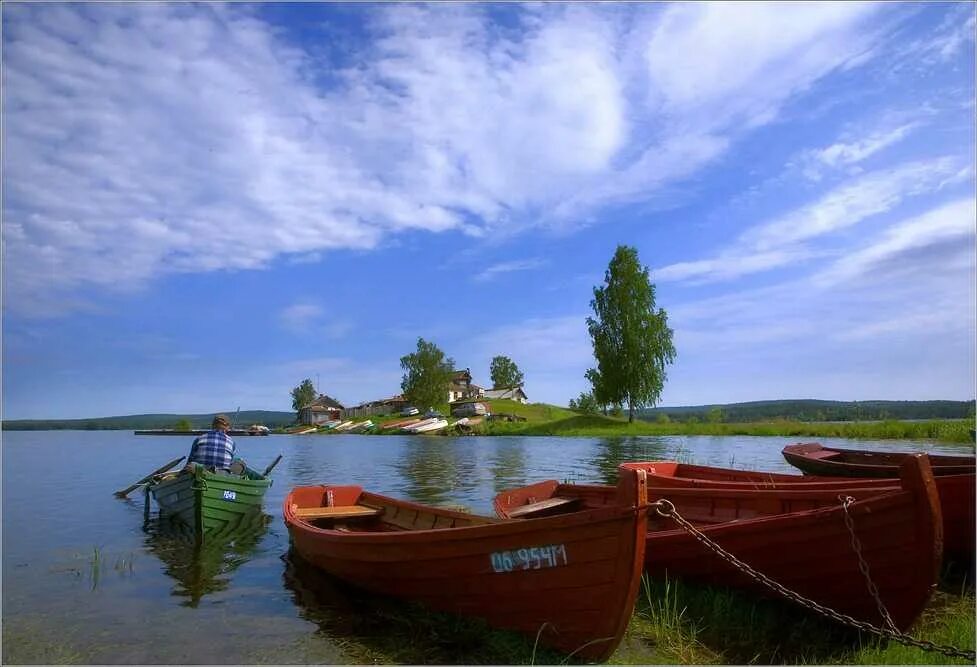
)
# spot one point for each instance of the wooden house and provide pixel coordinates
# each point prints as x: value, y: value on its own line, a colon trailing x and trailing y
x: 320, y: 411
x: 462, y: 388
x: 510, y: 393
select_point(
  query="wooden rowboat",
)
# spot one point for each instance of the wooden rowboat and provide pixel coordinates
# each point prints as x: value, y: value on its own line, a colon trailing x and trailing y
x: 797, y: 538
x: 570, y: 580
x: 815, y: 459
x: 956, y: 492
x: 209, y: 502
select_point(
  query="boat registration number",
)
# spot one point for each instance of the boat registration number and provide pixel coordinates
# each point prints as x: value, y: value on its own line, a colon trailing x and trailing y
x: 230, y: 495
x: 531, y: 558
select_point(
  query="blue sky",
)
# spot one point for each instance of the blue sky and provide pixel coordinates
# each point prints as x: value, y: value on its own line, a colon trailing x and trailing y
x: 205, y: 204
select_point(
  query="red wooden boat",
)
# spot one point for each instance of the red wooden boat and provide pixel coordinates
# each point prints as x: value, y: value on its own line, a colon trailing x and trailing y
x: 798, y: 538
x: 815, y: 459
x: 570, y: 580
x: 957, y: 492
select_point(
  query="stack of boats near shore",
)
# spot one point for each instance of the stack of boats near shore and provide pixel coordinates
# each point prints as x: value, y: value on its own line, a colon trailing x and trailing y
x: 860, y: 537
x: 409, y: 425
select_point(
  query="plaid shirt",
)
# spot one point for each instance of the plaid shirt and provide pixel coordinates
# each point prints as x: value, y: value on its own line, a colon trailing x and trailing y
x: 213, y: 448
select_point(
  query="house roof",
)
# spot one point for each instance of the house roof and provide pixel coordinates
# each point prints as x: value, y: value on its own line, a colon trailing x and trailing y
x: 505, y: 392
x: 463, y: 373
x: 325, y: 402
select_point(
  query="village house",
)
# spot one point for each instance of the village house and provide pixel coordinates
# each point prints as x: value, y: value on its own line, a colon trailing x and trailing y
x: 510, y: 393
x: 320, y: 411
x: 462, y: 388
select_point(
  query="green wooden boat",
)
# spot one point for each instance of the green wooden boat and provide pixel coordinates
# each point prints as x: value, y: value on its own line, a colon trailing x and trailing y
x: 209, y: 502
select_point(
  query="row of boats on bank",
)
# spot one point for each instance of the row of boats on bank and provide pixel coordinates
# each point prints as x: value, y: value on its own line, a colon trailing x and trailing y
x: 410, y: 425
x: 562, y: 562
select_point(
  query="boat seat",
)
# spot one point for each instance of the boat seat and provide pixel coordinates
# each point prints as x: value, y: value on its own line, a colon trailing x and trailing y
x: 541, y: 506
x: 341, y: 512
x: 823, y: 454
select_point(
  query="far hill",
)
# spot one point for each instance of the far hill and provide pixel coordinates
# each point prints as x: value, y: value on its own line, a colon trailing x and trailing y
x: 813, y: 410
x: 243, y: 419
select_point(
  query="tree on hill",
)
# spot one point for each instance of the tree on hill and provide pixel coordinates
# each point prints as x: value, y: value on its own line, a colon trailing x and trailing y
x: 427, y: 375
x: 598, y: 391
x: 302, y: 395
x: 632, y: 341
x: 505, y: 373
x: 585, y: 403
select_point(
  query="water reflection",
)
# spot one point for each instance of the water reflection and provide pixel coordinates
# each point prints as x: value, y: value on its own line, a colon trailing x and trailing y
x: 200, y: 567
x: 437, y: 470
x: 507, y: 464
x: 611, y: 452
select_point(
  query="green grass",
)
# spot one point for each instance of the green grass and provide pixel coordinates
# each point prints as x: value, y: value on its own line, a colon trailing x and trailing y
x: 944, y: 430
x: 680, y: 623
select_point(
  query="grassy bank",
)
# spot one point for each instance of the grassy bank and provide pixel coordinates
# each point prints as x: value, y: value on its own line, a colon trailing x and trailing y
x: 688, y: 624
x: 944, y: 430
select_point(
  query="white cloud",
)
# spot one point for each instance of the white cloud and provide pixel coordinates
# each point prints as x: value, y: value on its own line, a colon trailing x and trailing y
x: 146, y: 139
x: 843, y: 154
x: 784, y: 240
x: 849, y: 204
x: 509, y: 267
x: 728, y: 64
x: 300, y: 316
x: 949, y: 230
x: 726, y: 267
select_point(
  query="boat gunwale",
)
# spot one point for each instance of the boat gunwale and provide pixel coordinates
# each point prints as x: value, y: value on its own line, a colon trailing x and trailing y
x: 604, y: 514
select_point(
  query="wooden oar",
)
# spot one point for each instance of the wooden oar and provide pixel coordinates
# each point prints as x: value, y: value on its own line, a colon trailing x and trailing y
x: 273, y: 464
x: 124, y: 492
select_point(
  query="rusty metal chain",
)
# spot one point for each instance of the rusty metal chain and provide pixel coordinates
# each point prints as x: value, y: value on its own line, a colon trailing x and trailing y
x: 856, y: 546
x: 666, y: 509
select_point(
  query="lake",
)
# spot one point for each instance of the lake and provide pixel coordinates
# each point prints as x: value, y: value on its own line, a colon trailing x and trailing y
x: 85, y: 581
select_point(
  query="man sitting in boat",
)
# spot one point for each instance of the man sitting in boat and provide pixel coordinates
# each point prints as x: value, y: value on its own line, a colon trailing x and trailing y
x: 215, y: 449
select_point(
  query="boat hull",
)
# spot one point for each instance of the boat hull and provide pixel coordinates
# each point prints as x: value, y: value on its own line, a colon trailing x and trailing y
x: 815, y: 459
x: 209, y: 502
x: 797, y: 538
x: 570, y: 581
x: 956, y: 493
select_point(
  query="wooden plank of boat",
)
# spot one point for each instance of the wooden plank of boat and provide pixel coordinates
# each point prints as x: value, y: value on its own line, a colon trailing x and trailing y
x: 816, y: 459
x: 346, y: 425
x: 540, y: 507
x: 570, y: 580
x: 206, y: 501
x: 956, y: 493
x: 798, y: 537
x: 349, y: 512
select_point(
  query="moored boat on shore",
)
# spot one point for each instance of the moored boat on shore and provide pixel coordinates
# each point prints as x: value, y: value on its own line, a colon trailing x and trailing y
x: 956, y: 492
x: 568, y: 581
x: 815, y: 459
x: 798, y: 538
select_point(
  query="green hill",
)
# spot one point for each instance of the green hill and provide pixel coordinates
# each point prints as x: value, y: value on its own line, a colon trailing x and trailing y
x: 242, y: 419
x: 809, y: 410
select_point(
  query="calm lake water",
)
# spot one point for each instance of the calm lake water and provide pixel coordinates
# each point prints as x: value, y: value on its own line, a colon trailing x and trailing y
x: 85, y: 581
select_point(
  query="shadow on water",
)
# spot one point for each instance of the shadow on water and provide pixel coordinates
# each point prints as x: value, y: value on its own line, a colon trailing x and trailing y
x: 375, y: 628
x: 612, y: 452
x: 204, y: 566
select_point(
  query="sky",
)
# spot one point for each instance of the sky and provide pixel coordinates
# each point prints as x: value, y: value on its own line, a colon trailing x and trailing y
x: 205, y: 204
